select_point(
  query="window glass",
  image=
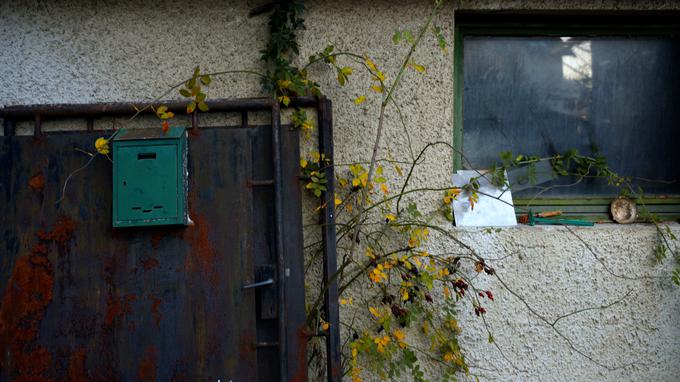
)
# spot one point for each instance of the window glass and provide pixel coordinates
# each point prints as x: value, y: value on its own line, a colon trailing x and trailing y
x: 618, y: 97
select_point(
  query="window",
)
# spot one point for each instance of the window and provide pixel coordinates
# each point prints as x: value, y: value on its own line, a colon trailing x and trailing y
x: 541, y: 85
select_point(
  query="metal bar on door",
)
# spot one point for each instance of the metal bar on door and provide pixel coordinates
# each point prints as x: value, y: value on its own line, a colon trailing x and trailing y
x: 280, y: 261
x: 331, y: 309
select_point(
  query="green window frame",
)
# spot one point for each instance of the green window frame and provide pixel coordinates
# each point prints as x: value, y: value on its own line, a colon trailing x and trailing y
x: 558, y: 24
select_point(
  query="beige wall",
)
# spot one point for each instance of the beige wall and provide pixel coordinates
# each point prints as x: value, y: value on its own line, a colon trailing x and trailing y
x: 78, y: 51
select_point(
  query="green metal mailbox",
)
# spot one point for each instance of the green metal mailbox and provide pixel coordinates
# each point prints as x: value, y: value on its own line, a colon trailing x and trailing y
x: 150, y: 177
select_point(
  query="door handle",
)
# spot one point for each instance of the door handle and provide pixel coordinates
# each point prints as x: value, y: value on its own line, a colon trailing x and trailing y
x: 259, y: 284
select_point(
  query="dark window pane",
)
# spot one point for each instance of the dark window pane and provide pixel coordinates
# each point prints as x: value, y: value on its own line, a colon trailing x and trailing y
x: 618, y: 97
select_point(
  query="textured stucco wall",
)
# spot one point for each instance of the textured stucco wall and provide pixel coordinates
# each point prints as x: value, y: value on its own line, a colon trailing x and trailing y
x: 81, y: 51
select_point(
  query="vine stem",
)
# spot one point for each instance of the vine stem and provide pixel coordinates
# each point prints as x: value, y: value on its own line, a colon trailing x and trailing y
x: 381, y: 121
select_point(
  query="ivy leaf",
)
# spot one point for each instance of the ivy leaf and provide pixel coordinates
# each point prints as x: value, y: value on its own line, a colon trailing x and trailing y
x: 191, y: 107
x: 370, y: 64
x: 205, y: 80
x: 191, y: 83
x: 341, y: 78
x: 185, y: 92
x: 412, y: 210
x: 285, y: 100
x: 417, y: 67
x: 409, y: 37
x: 396, y: 38
x: 200, y: 97
x: 202, y: 106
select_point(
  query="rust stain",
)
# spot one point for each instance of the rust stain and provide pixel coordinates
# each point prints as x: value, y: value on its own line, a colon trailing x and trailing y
x: 147, y: 366
x: 150, y: 263
x: 301, y: 355
x: 62, y: 232
x: 37, y: 182
x: 203, y: 256
x: 155, y: 311
x: 27, y: 296
x: 118, y: 307
x: 156, y: 238
x: 76, y: 367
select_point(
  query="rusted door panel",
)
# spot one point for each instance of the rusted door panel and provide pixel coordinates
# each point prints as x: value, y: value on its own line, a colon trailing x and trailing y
x: 82, y: 301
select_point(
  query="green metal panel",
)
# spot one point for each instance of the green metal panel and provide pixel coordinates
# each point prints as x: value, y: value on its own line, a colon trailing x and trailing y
x: 149, y: 177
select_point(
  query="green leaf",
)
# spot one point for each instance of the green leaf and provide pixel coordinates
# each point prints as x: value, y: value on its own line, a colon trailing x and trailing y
x: 396, y: 38
x: 191, y: 107
x: 197, y: 71
x: 341, y: 77
x: 185, y: 92
x: 412, y: 209
x: 409, y: 37
x: 205, y: 80
x: 191, y: 83
x: 202, y: 106
x: 200, y: 97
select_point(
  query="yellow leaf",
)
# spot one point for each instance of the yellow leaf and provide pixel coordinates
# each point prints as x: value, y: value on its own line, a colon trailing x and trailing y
x: 398, y: 170
x: 390, y: 217
x: 325, y: 326
x: 384, y: 189
x: 161, y: 109
x: 285, y: 100
x: 303, y: 163
x: 359, y: 100
x: 370, y: 64
x: 338, y: 201
x: 418, y: 68
x: 316, y: 157
x: 102, y: 145
x: 380, y: 75
x: 377, y: 88
x: 374, y: 311
x: 346, y: 70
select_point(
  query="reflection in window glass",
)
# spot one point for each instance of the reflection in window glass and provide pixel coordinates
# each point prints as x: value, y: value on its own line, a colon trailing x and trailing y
x: 618, y: 97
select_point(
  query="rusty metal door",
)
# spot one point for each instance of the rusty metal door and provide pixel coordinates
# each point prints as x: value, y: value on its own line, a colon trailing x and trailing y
x: 81, y: 301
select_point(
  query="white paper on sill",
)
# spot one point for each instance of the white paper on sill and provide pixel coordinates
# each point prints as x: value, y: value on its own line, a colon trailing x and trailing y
x: 488, y: 212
